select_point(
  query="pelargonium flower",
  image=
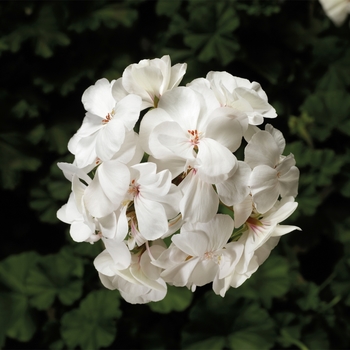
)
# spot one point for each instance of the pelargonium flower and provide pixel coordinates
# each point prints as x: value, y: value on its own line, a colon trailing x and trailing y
x: 272, y: 174
x: 106, y: 124
x: 140, y: 282
x: 151, y: 78
x: 154, y: 198
x: 84, y: 227
x: 242, y: 95
x: 200, y: 137
x: 199, y: 254
x: 261, y: 234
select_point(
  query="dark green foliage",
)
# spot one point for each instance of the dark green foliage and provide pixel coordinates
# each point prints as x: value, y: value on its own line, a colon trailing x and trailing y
x: 92, y: 325
x: 50, y: 52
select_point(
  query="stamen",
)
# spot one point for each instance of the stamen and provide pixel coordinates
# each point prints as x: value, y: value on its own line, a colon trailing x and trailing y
x: 133, y: 188
x: 108, y: 117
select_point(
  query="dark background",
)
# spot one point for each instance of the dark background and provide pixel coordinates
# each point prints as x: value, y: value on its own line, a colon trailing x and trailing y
x: 50, y: 52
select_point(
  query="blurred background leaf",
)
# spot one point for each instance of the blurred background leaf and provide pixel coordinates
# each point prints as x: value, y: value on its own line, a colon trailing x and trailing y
x: 50, y: 52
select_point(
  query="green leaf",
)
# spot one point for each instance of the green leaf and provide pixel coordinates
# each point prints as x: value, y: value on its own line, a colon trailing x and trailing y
x: 56, y: 276
x: 253, y: 329
x: 14, y: 159
x: 13, y: 273
x: 289, y: 330
x: 21, y: 321
x: 244, y: 325
x: 15, y: 269
x: 213, y: 343
x: 36, y: 134
x: 270, y: 281
x: 176, y: 299
x: 215, y: 40
x: 167, y: 8
x: 316, y: 340
x: 23, y: 108
x: 330, y: 110
x: 110, y: 15
x: 93, y: 325
x: 311, y: 299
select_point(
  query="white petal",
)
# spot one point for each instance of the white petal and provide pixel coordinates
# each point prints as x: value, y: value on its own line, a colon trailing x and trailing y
x: 282, y: 213
x: 104, y: 263
x: 70, y: 169
x: 262, y: 149
x: 235, y: 189
x: 96, y: 200
x: 219, y: 230
x: 118, y: 91
x: 175, y: 139
x: 110, y: 139
x: 281, y: 230
x: 150, y: 120
x: 289, y: 182
x: 85, y: 153
x: 119, y: 252
x: 174, y: 164
x: 177, y: 73
x: 114, y: 179
x: 264, y: 187
x: 108, y: 225
x: 122, y: 225
x: 130, y: 151
x: 204, y: 272
x: 127, y: 110
x: 151, y: 217
x: 264, y: 251
x: 79, y: 231
x: 179, y: 274
x: 217, y: 161
x: 278, y: 137
x: 200, y: 201
x: 98, y: 99
x: 242, y: 211
x: 225, y: 130
x: 191, y: 240
x: 107, y: 190
x: 183, y: 106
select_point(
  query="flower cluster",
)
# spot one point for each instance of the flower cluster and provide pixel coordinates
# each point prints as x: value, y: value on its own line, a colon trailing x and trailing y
x: 155, y: 177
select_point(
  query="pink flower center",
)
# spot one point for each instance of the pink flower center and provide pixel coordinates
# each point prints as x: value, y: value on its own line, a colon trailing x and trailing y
x: 195, y: 136
x: 109, y: 117
x: 134, y: 188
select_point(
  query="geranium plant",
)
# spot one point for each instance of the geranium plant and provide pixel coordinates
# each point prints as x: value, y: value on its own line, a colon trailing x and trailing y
x: 156, y: 178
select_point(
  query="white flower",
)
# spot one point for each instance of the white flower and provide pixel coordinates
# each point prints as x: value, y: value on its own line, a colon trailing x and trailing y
x: 105, y: 125
x: 336, y: 10
x: 116, y: 187
x: 241, y: 95
x: 183, y: 126
x: 261, y: 227
x: 188, y: 136
x: 151, y: 78
x: 272, y: 174
x: 156, y: 199
x: 140, y: 282
x: 84, y: 227
x: 198, y: 254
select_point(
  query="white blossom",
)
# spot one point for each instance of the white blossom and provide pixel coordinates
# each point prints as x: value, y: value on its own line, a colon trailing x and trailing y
x: 175, y: 177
